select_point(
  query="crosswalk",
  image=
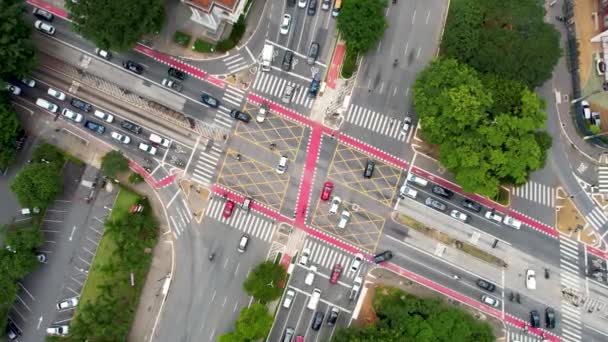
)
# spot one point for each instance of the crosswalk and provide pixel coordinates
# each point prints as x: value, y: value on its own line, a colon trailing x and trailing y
x: 180, y: 222
x: 536, y: 192
x: 520, y: 336
x: 327, y: 256
x: 570, y: 281
x: 205, y: 165
x: 274, y: 85
x: 377, y: 122
x: 248, y: 222
x: 602, y: 178
x: 223, y: 118
x: 236, y: 63
x: 234, y: 96
x: 596, y: 217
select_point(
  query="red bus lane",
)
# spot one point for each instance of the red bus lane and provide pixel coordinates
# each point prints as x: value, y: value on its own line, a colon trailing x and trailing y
x: 597, y: 252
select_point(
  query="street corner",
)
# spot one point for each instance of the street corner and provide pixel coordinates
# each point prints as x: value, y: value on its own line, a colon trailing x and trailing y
x: 253, y: 178
x: 348, y: 167
x: 197, y: 197
x: 362, y: 228
x: 571, y: 223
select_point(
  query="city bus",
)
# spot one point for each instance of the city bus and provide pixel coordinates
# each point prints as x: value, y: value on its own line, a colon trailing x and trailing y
x: 336, y: 10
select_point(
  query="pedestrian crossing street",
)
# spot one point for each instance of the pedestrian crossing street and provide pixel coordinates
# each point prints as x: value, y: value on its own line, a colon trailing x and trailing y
x: 596, y: 217
x: 236, y: 63
x: 377, y: 122
x: 274, y: 85
x: 205, y: 165
x: 325, y: 256
x: 180, y: 221
x: 569, y: 278
x: 536, y: 192
x: 248, y: 222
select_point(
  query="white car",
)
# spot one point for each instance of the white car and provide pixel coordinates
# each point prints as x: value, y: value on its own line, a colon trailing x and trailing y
x: 357, y: 261
x: 56, y: 94
x: 125, y: 139
x: 13, y: 89
x: 28, y: 82
x: 489, y: 300
x: 285, y: 24
x: 310, y: 276
x: 67, y: 303
x: 58, y: 330
x: 157, y: 139
x: 47, y: 105
x: 512, y: 222
x: 104, y: 116
x: 147, y: 148
x: 302, y: 3
x: 407, y: 124
x: 531, y: 280
x: 76, y: 117
x: 103, y: 53
x: 262, y: 113
x: 44, y: 27
x: 343, y: 219
x: 305, y: 256
x: 335, y: 204
x: 289, y: 296
x: 460, y: 216
x: 492, y: 216
x: 282, y: 166
x: 406, y: 191
x: 586, y: 109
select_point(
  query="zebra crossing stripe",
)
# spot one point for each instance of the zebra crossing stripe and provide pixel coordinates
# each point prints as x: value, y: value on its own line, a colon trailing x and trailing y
x: 602, y: 178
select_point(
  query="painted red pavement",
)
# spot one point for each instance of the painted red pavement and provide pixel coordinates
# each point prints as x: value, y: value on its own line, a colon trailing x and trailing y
x: 334, y: 68
x: 597, y: 252
x: 151, y: 180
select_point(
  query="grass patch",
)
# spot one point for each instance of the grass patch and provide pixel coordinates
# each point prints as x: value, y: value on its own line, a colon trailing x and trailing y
x: 181, y: 38
x: 502, y: 197
x: 349, y: 65
x: 202, y: 46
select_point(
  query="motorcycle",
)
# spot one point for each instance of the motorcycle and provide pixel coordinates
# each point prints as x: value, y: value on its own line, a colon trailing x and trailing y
x: 211, y: 256
x: 395, y: 62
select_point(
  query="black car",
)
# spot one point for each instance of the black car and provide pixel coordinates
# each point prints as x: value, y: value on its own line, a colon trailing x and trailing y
x: 534, y: 319
x: 369, y: 169
x: 485, y: 285
x: 81, y: 105
x: 180, y: 75
x: 443, y: 192
x: 11, y: 330
x: 128, y: 125
x: 42, y: 14
x: 333, y: 316
x: 313, y: 53
x: 312, y: 7
x: 95, y: 127
x: 549, y: 318
x: 210, y: 101
x: 314, y: 87
x: 467, y: 203
x: 287, y: 59
x: 435, y: 204
x: 382, y: 257
x: 132, y: 66
x: 317, y: 320
x: 238, y: 115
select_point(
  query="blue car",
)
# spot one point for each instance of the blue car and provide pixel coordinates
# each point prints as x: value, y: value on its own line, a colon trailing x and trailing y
x: 95, y: 127
x: 314, y: 87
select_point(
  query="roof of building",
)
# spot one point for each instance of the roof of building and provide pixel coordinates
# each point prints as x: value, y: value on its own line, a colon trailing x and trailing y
x: 207, y: 5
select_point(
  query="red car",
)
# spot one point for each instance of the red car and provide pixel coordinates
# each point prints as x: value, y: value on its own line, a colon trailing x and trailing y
x: 327, y: 188
x: 228, y: 208
x: 335, y: 273
x: 299, y: 338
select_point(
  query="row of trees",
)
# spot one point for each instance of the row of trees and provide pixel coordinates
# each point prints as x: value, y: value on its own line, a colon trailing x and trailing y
x: 264, y: 284
x: 476, y: 102
x: 405, y: 318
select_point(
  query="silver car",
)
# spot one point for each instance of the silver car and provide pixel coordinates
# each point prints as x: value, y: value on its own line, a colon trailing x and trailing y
x: 288, y: 93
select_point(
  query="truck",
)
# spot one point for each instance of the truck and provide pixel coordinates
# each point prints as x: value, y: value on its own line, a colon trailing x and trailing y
x: 267, y: 55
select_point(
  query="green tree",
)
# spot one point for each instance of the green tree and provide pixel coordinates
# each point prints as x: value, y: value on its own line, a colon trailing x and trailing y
x: 116, y: 24
x: 9, y: 128
x: 487, y: 132
x: 37, y: 185
x: 263, y: 282
x: 24, y: 239
x: 17, y: 54
x: 362, y: 23
x: 135, y: 178
x: 8, y: 290
x: 48, y: 152
x: 254, y: 323
x: 506, y: 38
x: 113, y: 163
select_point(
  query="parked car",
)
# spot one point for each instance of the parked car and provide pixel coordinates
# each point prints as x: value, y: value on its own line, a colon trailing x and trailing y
x: 382, y: 257
x: 406, y: 191
x: 13, y: 89
x: 435, y: 204
x: 133, y: 67
x: 335, y: 274
x: 285, y: 24
x: 531, y: 280
x: 67, y: 303
x: 369, y: 168
x: 44, y: 27
x: 493, y: 216
x: 58, y: 330
x: 86, y: 107
x: 335, y: 204
x: 12, y: 331
x: 128, y: 125
x: 103, y: 53
x: 228, y: 208
x: 460, y: 216
x: 51, y: 107
x: 157, y: 139
x: 289, y: 296
x: 125, y: 139
x: 95, y: 127
x: 180, y: 75
x: 210, y: 100
x: 317, y: 321
x: 28, y: 82
x: 441, y: 191
x: 356, y: 263
x: 241, y: 116
x: 467, y: 203
x: 70, y: 115
x: 489, y: 300
x: 42, y: 14
x: 586, y: 109
x: 109, y: 118
x: 147, y: 148
x: 327, y: 189
x: 344, y: 218
x: 485, y: 285
x: 56, y: 94
x: 512, y: 222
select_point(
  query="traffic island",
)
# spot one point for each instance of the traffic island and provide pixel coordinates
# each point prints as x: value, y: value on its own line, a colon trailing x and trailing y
x: 571, y: 223
x: 196, y: 196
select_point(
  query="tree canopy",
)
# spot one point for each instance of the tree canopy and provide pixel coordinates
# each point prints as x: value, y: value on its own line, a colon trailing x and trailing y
x: 402, y: 317
x: 362, y: 23
x: 116, y: 24
x: 506, y: 38
x: 254, y: 323
x: 9, y: 129
x: 488, y: 129
x: 37, y: 184
x: 114, y: 162
x: 17, y: 54
x: 263, y: 282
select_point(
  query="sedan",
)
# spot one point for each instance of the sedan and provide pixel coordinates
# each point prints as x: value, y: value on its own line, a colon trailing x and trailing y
x: 335, y: 204
x: 228, y: 208
x: 56, y: 94
x: 435, y: 204
x: 241, y: 116
x: 443, y: 192
x: 133, y: 67
x: 70, y: 115
x: 125, y: 139
x: 549, y: 318
x: 357, y: 261
x: 262, y: 113
x: 382, y: 257
x: 285, y: 24
x: 407, y: 123
x: 67, y: 303
x: 95, y: 127
x: 180, y: 75
x: 534, y: 319
x: 459, y: 216
x: 210, y: 101
x: 130, y: 126
x: 302, y: 3
x: 172, y: 84
x: 147, y: 148
x: 467, y: 203
x: 486, y: 285
x: 489, y: 300
x: 531, y: 280
x: 289, y: 296
x: 327, y: 188
x: 81, y: 105
x: 288, y: 92
x: 58, y: 330
x: 13, y: 89
x: 103, y: 53
x: 335, y: 273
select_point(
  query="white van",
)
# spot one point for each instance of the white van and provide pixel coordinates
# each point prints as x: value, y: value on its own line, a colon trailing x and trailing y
x: 51, y: 107
x: 314, y: 299
x: 492, y: 216
x: 104, y: 116
x: 417, y: 179
x: 157, y: 139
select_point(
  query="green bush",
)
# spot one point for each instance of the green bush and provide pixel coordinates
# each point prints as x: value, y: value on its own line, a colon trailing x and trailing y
x: 235, y: 36
x: 181, y: 38
x: 202, y: 46
x: 349, y: 65
x: 135, y: 178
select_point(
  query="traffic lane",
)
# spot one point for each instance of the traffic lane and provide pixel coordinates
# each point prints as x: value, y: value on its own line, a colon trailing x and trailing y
x: 526, y: 239
x: 288, y: 317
